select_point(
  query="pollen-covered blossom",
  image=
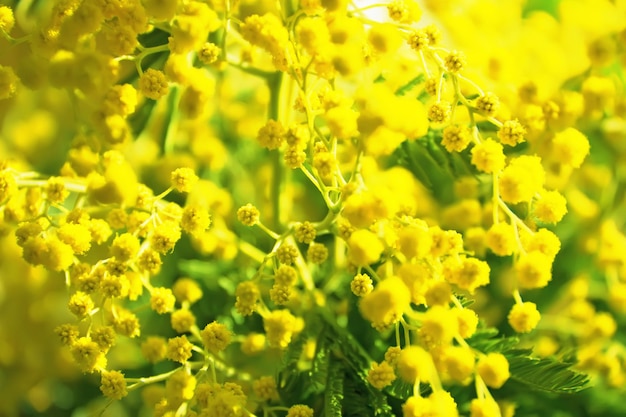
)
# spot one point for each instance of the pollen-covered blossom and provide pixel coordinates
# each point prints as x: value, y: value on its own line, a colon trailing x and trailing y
x: 179, y: 349
x: 404, y: 185
x: 570, y: 147
x: 550, y: 207
x: 456, y: 138
x: 455, y: 61
x: 524, y: 317
x: 386, y: 304
x: 414, y: 364
x: 488, y: 104
x: 113, y: 385
x: 248, y: 215
x: 361, y: 285
x: 153, y: 84
x: 279, y: 327
x: 215, y: 336
x: 493, y: 369
x: 533, y: 270
x: 300, y: 411
x: 381, y: 375
x: 488, y: 156
x: 512, y: 132
x: 364, y: 247
x: 183, y: 179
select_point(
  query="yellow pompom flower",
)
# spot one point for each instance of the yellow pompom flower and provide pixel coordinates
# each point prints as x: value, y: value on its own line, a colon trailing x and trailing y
x: 500, y: 238
x: 456, y: 138
x: 8, y: 186
x: 247, y: 296
x: 56, y: 191
x: 524, y: 317
x: 7, y: 20
x: 75, y: 235
x: 183, y: 179
x: 523, y: 177
x: 467, y: 321
x: 459, y: 362
x: 153, y: 84
x: 8, y: 82
x: 104, y: 336
x: 58, y: 256
x: 404, y: 11
x: 272, y: 135
x: 484, y: 407
x: 165, y: 236
x: 312, y: 34
x: 364, y: 247
x: 342, y: 122
x: 279, y: 327
x: 488, y: 104
x: 125, y: 247
x: 550, y: 207
x: 280, y: 294
x: 533, y: 270
x: 248, y: 215
x: 317, y: 253
x: 570, y: 147
x: 387, y: 303
x: 121, y: 99
x: 88, y: 355
x: 186, y: 290
x: 287, y: 254
x: 265, y: 388
x: 113, y: 385
x: 195, y: 219
x: 300, y: 410
x: 180, y: 387
x: 162, y: 300
x: 439, y: 326
x: 417, y: 406
x: 361, y: 285
x: 512, y: 132
x: 544, y: 241
x: 305, y: 232
x: 182, y: 320
x: 454, y: 62
x: 468, y: 273
x: 384, y: 38
x: 493, y: 369
x: 414, y: 364
x: 179, y: 349
x: 81, y: 304
x: 381, y: 375
x: 67, y: 333
x: 488, y: 156
x: 216, y: 336
x: 418, y: 40
x: 154, y: 349
x: 439, y: 112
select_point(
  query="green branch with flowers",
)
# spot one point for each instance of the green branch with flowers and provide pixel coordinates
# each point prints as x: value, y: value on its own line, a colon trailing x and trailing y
x: 312, y: 208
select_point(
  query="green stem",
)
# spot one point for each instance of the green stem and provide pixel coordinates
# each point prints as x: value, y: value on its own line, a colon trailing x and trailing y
x: 274, y: 83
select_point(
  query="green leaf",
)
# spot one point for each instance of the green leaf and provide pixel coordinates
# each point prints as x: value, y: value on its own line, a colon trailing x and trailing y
x: 546, y: 375
x: 140, y: 118
x: 356, y: 361
x: 487, y: 340
x: 410, y: 85
x: 333, y: 396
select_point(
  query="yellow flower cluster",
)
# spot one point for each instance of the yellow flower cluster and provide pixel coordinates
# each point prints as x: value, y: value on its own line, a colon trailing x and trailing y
x: 219, y: 184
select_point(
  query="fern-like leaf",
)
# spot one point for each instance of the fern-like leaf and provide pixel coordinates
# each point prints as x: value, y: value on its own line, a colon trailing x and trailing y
x: 546, y: 375
x: 333, y: 396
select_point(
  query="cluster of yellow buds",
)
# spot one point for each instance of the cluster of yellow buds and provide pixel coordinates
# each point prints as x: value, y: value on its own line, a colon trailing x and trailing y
x: 318, y: 207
